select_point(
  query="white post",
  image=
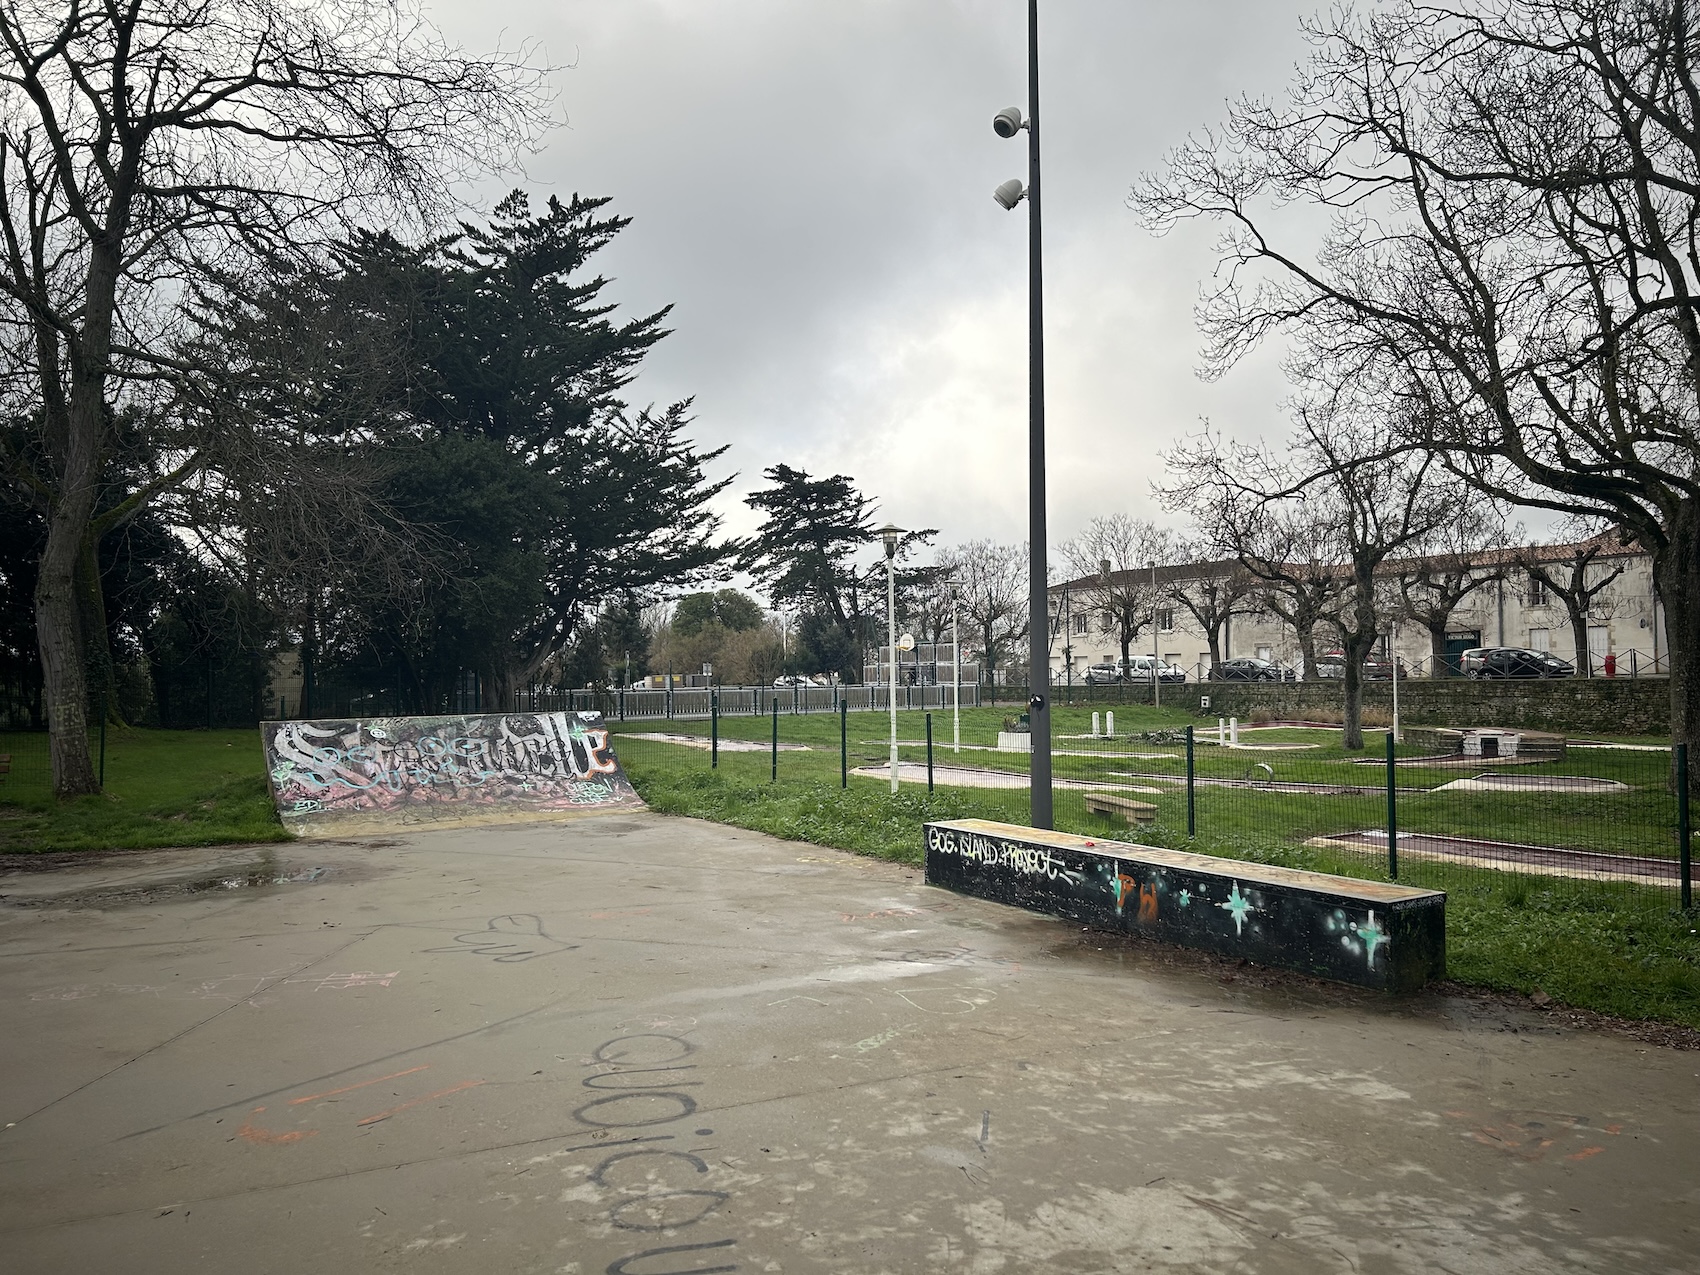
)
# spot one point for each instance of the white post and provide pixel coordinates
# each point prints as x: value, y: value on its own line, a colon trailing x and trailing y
x: 955, y: 679
x: 1109, y: 723
x: 1095, y: 721
x: 1156, y: 659
x: 891, y: 633
x: 1394, y: 655
x: 1233, y: 732
x: 1221, y: 729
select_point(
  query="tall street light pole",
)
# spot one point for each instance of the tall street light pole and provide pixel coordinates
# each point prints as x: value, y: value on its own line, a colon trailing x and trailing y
x: 1007, y: 123
x: 891, y: 535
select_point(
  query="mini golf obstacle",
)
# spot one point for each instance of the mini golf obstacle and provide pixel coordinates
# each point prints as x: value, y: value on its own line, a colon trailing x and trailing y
x: 334, y: 778
x: 1388, y: 937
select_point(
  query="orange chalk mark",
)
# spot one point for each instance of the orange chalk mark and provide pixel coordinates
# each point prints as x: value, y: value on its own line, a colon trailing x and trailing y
x: 265, y: 1137
x: 1584, y: 1153
x: 331, y: 1093
x: 441, y: 1093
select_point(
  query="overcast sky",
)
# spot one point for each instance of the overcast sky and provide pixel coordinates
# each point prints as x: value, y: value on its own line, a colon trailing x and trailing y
x: 810, y: 186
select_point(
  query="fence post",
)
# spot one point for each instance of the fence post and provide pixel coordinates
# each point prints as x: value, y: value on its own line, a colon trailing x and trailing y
x: 1392, y: 815
x: 929, y: 752
x: 843, y: 743
x: 713, y: 730
x: 1682, y: 830
x: 103, y: 738
x: 622, y: 703
x: 775, y: 775
x: 1191, y: 809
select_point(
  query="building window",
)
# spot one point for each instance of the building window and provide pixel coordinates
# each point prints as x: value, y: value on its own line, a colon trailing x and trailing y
x: 1080, y: 623
x: 1166, y: 620
x: 1538, y: 592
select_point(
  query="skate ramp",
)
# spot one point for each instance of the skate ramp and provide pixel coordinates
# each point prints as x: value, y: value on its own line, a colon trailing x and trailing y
x: 344, y: 777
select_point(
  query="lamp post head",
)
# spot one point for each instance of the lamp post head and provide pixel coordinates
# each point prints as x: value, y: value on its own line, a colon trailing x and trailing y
x: 1011, y: 193
x: 891, y: 534
x: 1008, y: 122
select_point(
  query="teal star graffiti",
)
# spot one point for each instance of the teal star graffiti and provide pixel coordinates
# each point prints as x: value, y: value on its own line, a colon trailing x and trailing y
x: 1239, y: 907
x: 1185, y: 897
x: 1372, y: 937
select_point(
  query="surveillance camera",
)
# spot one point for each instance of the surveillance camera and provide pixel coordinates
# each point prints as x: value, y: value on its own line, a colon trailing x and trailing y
x: 1010, y: 194
x: 1007, y: 122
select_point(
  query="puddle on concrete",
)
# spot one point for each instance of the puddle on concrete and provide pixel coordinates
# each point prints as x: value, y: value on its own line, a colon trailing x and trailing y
x: 260, y: 878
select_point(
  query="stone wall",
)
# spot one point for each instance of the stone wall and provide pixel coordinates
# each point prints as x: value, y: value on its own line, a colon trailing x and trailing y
x: 1614, y: 706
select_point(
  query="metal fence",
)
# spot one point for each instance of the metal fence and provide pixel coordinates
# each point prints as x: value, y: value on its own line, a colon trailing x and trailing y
x: 688, y: 703
x: 1519, y: 814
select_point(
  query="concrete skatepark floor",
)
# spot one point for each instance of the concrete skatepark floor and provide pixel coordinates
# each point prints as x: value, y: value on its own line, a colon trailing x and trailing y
x: 646, y: 1045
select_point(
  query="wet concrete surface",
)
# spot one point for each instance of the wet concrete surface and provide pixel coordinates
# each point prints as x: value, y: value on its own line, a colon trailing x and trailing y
x: 649, y: 1046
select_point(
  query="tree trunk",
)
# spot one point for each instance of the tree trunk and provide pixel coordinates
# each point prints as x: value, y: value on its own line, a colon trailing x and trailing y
x: 1676, y: 574
x: 59, y: 635
x: 309, y: 664
x: 1352, y: 679
x: 1579, y: 632
x: 1437, y: 647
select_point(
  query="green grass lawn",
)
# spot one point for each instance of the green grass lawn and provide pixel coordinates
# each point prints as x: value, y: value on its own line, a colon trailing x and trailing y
x: 163, y: 788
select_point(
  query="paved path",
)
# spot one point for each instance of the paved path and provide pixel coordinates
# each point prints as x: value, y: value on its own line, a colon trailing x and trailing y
x: 642, y: 1046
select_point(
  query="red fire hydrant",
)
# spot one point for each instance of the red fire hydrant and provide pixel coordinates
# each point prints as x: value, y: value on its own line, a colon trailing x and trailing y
x: 1611, y: 664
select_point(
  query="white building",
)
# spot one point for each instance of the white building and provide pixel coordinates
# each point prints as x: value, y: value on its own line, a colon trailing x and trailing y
x: 1625, y: 622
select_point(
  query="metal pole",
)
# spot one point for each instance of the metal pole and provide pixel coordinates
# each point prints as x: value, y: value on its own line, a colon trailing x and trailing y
x: 1392, y: 815
x: 775, y: 773
x: 891, y: 634
x: 103, y: 739
x: 1191, y: 808
x: 843, y: 743
x: 1038, y: 538
x: 713, y: 730
x: 1393, y: 654
x: 955, y: 679
x: 1682, y: 828
x: 929, y: 752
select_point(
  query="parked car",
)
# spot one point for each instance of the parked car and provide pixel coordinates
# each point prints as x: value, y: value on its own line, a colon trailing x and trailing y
x: 1102, y: 675
x: 1511, y: 661
x: 1138, y: 669
x: 1332, y: 664
x: 1248, y: 668
x: 791, y: 679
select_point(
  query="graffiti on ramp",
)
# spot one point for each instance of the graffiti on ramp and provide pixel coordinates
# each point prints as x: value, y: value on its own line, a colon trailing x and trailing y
x: 333, y: 777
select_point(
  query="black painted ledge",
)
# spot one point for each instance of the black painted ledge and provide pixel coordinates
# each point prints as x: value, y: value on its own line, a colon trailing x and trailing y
x: 1388, y: 937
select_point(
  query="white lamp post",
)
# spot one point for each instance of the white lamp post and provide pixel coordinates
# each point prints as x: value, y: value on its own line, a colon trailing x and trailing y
x: 953, y: 584
x: 1156, y: 660
x: 891, y: 535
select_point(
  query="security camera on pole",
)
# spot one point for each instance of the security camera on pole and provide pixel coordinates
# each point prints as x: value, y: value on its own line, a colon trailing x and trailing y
x: 1007, y: 123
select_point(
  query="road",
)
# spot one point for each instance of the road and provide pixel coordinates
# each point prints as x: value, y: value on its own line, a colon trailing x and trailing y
x: 645, y: 1046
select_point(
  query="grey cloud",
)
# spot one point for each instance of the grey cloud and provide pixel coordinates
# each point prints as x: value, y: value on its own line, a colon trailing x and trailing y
x: 811, y: 187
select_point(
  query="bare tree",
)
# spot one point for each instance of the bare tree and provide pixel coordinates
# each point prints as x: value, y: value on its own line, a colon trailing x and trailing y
x: 140, y: 142
x: 1112, y: 560
x: 993, y: 598
x: 1578, y: 580
x: 1516, y: 226
x: 1464, y: 553
x: 1213, y: 593
x: 1291, y: 553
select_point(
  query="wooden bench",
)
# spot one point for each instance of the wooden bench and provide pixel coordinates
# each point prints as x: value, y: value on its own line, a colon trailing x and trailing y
x: 1106, y: 803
